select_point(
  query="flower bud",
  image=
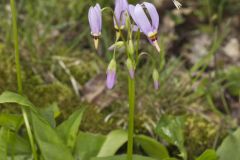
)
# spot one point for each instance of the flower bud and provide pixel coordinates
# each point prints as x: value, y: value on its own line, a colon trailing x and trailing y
x: 130, y: 67
x: 155, y: 79
x: 111, y: 74
x: 130, y: 47
x: 128, y: 23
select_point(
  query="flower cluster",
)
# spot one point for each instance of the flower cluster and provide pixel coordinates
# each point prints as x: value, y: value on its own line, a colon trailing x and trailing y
x: 145, y: 19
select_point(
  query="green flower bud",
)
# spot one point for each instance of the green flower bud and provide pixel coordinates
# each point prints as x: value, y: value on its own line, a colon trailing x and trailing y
x: 130, y: 67
x: 130, y: 47
x: 155, y: 78
x: 112, y: 65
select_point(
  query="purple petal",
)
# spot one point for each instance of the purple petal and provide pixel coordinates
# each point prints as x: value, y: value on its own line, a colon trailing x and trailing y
x: 153, y: 14
x: 131, y: 73
x: 142, y: 20
x: 95, y: 19
x: 131, y: 9
x: 111, y: 78
x: 121, y: 7
x: 156, y: 85
x: 99, y: 12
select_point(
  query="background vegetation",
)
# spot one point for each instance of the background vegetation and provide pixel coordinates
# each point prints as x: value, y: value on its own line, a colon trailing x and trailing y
x: 61, y: 68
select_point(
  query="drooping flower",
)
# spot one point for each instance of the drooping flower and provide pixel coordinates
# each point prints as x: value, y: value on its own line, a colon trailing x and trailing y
x: 121, y: 7
x: 155, y: 79
x: 111, y: 74
x: 130, y: 67
x: 95, y: 21
x: 177, y: 4
x: 149, y: 26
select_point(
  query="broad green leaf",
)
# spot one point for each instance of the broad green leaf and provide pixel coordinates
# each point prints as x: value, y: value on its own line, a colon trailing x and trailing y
x: 88, y: 145
x: 3, y: 143
x: 113, y: 142
x: 170, y: 128
x: 11, y: 121
x: 18, y: 145
x: 123, y: 157
x: 11, y: 97
x: 50, y: 113
x: 69, y: 128
x: 51, y: 145
x: 152, y: 147
x: 20, y: 157
x: 230, y: 147
x: 209, y: 154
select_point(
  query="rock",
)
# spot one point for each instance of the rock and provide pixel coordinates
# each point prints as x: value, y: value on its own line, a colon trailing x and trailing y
x: 232, y: 49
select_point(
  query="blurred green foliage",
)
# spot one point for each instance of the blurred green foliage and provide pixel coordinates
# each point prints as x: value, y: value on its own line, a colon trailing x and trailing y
x: 53, y: 31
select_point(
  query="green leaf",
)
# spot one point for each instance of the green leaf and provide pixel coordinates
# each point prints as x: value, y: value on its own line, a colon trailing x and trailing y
x: 209, y: 154
x: 170, y: 128
x: 3, y: 143
x: 50, y: 113
x: 88, y: 145
x: 20, y: 157
x: 230, y: 147
x: 11, y: 97
x: 18, y: 145
x: 49, y: 142
x: 122, y: 157
x: 113, y: 142
x: 10, y: 121
x: 68, y: 129
x: 92, y: 145
x: 152, y: 147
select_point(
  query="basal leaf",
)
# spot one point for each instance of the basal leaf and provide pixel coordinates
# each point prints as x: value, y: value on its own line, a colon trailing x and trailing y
x: 3, y: 143
x: 11, y: 97
x: 209, y: 154
x: 18, y: 145
x: 51, y: 145
x: 113, y: 142
x: 88, y: 145
x: 11, y: 121
x: 152, y: 147
x: 230, y: 147
x: 170, y: 128
x: 123, y: 157
x: 69, y: 128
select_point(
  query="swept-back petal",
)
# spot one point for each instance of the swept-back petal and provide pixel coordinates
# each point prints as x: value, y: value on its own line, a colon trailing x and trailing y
x: 121, y: 7
x: 142, y: 20
x: 131, y: 9
x: 99, y: 12
x: 95, y: 19
x: 153, y: 14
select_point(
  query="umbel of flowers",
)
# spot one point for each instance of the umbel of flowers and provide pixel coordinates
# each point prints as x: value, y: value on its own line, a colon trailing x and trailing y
x: 132, y: 19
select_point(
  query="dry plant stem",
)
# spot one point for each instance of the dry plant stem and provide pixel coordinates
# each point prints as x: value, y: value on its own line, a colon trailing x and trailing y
x: 19, y: 77
x: 131, y: 96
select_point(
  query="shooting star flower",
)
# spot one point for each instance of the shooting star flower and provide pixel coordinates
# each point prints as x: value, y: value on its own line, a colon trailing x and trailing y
x: 95, y: 21
x: 121, y: 7
x: 130, y: 67
x: 111, y: 74
x: 149, y: 26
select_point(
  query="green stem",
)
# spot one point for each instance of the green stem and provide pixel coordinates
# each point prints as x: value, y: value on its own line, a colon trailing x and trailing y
x: 19, y: 77
x: 131, y: 94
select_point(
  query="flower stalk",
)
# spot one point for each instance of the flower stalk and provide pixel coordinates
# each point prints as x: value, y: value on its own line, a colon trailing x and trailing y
x: 131, y: 99
x: 19, y: 75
